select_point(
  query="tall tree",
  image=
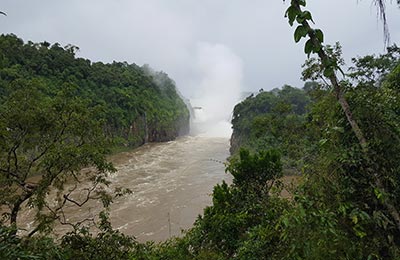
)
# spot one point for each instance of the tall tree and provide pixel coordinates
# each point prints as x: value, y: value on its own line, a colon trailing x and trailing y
x: 45, y: 142
x: 329, y: 65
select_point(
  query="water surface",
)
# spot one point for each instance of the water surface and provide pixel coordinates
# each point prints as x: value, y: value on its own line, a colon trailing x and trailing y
x: 171, y: 184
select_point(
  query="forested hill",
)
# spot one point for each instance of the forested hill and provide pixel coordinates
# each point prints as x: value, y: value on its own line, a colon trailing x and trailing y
x: 135, y: 104
x: 274, y: 119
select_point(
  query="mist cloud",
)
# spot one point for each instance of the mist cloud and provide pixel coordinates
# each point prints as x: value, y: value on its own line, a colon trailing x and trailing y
x: 220, y: 75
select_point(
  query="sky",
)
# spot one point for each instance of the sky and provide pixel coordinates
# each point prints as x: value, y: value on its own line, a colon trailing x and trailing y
x: 192, y: 40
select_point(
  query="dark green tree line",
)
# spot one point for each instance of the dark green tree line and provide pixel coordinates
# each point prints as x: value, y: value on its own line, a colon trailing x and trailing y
x: 138, y: 104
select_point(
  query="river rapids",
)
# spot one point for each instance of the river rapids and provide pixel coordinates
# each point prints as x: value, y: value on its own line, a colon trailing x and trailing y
x: 171, y: 184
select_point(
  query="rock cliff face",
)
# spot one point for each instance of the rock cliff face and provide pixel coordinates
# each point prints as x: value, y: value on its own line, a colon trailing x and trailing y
x: 144, y: 131
x: 235, y: 142
x: 155, y: 133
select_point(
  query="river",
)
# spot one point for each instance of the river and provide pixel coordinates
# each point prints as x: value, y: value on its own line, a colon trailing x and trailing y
x: 171, y: 184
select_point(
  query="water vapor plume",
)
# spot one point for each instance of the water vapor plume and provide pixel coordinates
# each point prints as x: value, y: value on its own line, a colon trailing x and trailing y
x: 218, y: 90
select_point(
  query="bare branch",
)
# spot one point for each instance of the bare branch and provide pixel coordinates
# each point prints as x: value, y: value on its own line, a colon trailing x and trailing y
x: 87, y: 198
x: 59, y: 214
x: 56, y: 138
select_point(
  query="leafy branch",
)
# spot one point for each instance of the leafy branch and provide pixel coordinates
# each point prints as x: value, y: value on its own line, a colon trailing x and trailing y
x: 329, y: 65
x: 314, y: 44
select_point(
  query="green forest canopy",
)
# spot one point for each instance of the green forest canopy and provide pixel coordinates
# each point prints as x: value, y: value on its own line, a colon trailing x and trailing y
x: 136, y: 103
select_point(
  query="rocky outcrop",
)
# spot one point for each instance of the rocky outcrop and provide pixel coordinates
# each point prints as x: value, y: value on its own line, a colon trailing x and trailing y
x: 142, y: 131
x: 234, y: 143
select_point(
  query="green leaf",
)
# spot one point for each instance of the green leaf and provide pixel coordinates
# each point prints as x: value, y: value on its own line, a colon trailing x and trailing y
x: 378, y: 193
x: 285, y: 222
x: 323, y: 141
x: 354, y: 219
x: 308, y: 48
x: 319, y: 34
x: 307, y: 15
x: 326, y: 62
x: 302, y: 2
x: 338, y: 129
x: 360, y: 233
x: 302, y: 16
x: 300, y: 32
x: 291, y: 13
x: 299, y: 19
x: 329, y: 72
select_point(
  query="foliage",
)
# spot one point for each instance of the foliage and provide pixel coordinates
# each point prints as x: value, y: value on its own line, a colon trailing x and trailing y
x: 338, y: 210
x: 363, y: 170
x: 51, y: 139
x: 335, y: 212
x: 372, y: 70
x: 341, y: 209
x: 239, y: 210
x: 108, y: 244
x: 273, y: 119
x: 137, y: 103
x: 58, y: 115
x: 11, y: 246
x: 80, y: 244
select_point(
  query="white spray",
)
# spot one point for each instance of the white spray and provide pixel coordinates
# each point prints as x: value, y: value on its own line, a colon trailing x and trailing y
x: 217, y: 91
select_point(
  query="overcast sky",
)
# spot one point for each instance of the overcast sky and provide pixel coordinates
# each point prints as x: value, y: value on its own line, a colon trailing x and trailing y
x: 172, y: 35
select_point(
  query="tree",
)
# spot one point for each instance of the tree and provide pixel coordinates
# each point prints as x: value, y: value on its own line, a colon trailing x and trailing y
x: 44, y: 143
x: 371, y: 70
x: 241, y: 207
x: 126, y: 92
x: 329, y: 66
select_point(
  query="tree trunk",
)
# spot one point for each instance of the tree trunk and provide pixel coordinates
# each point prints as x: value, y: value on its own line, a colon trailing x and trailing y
x: 13, y: 216
x: 16, y: 208
x: 388, y: 204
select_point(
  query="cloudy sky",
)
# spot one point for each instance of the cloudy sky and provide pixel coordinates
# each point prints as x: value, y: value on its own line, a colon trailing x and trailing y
x: 250, y: 40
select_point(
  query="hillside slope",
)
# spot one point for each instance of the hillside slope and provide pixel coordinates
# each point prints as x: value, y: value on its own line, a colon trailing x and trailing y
x: 137, y: 104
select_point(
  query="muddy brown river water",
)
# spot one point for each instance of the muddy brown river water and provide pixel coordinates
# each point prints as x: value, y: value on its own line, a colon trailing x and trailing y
x: 171, y: 183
